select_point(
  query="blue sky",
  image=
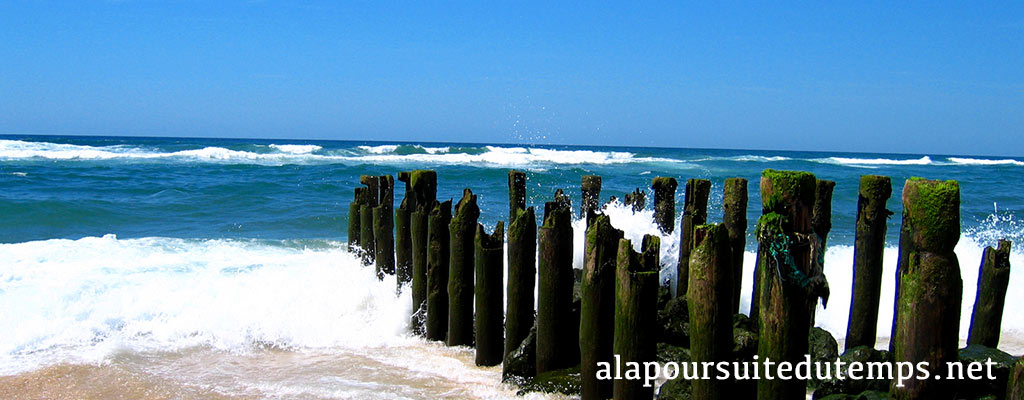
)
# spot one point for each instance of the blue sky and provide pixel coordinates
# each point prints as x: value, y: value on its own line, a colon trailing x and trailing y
x: 930, y: 77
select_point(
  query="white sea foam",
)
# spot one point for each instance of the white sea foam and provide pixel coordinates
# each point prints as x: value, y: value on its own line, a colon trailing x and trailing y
x: 874, y: 161
x: 979, y: 161
x: 296, y: 148
x: 382, y: 149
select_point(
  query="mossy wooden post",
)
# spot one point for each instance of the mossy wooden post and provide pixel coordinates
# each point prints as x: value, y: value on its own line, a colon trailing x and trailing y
x: 438, y: 255
x: 522, y: 263
x: 384, y: 227
x: 557, y: 343
x: 597, y: 305
x: 636, y: 312
x: 591, y: 187
x: 460, y: 270
x: 664, y: 203
x: 927, y: 317
x: 403, y: 235
x: 734, y: 206
x: 709, y: 300
x: 868, y: 249
x: 353, y: 220
x: 490, y: 307
x: 1015, y: 383
x: 423, y: 184
x: 370, y: 193
x: 993, y: 278
x: 695, y: 213
x: 635, y: 200
x: 821, y: 218
x: 787, y: 199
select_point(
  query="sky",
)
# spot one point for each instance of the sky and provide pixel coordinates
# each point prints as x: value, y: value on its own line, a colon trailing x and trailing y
x: 906, y: 77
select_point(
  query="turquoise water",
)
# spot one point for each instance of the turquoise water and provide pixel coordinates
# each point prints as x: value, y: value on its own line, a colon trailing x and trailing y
x: 156, y: 257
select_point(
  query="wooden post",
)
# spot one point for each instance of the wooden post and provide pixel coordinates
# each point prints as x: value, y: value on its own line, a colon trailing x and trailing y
x: 927, y: 317
x: 438, y: 256
x: 490, y: 271
x: 597, y: 305
x: 1015, y: 383
x: 664, y: 203
x: 370, y: 195
x: 353, y: 219
x: 522, y: 263
x: 869, y: 247
x: 636, y: 312
x: 384, y: 227
x: 710, y: 304
x: 636, y: 200
x: 460, y: 270
x: 557, y: 343
x: 785, y: 240
x: 591, y: 187
x: 421, y: 200
x: 734, y: 205
x: 695, y: 213
x: 403, y: 235
x: 821, y: 218
x: 993, y: 278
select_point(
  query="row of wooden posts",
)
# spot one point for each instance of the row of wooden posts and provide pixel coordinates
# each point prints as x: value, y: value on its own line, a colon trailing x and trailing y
x: 455, y: 267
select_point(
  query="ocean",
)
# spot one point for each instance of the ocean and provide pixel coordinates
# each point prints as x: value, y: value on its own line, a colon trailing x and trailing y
x: 217, y: 268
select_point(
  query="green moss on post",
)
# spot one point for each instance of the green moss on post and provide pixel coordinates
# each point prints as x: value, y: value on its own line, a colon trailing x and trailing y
x: 734, y: 205
x: 597, y: 305
x: 636, y: 312
x: 591, y: 187
x: 557, y: 343
x: 1015, y: 383
x: 787, y: 199
x: 709, y: 300
x: 695, y: 213
x: 462, y: 231
x: 927, y: 314
x: 993, y: 278
x: 636, y: 200
x: 869, y: 247
x: 490, y: 267
x: 664, y: 203
x: 522, y: 278
x: 384, y: 227
x: 438, y: 256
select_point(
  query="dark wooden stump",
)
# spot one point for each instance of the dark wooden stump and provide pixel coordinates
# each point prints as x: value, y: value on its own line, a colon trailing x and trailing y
x: 869, y: 247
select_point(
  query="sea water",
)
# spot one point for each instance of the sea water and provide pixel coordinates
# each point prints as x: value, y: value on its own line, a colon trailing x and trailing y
x: 217, y: 268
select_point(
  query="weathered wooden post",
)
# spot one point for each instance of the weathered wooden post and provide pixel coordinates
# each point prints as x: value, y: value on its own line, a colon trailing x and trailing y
x: 869, y: 247
x: 460, y: 270
x: 366, y: 239
x: 927, y: 316
x: 384, y: 227
x: 664, y: 203
x: 423, y: 184
x: 597, y: 305
x: 438, y: 256
x: 353, y: 220
x: 636, y: 200
x: 557, y: 341
x: 821, y: 218
x: 591, y: 187
x: 636, y: 312
x: 522, y: 263
x: 403, y: 235
x: 734, y: 205
x: 786, y: 272
x: 993, y: 278
x: 1015, y: 383
x: 709, y: 300
x: 490, y: 307
x: 695, y: 213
